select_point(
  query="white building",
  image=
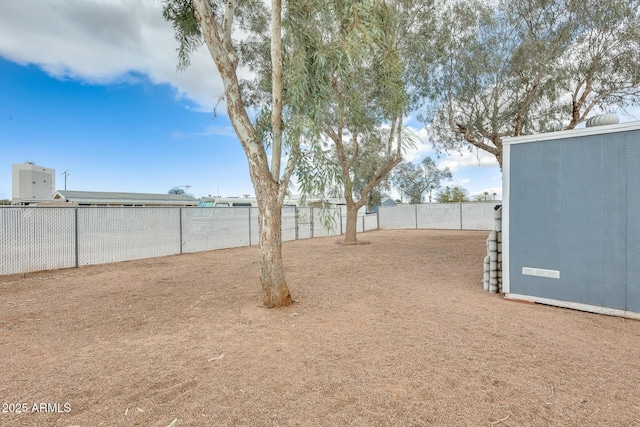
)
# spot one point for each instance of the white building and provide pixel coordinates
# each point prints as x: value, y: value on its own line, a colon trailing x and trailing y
x: 32, y: 183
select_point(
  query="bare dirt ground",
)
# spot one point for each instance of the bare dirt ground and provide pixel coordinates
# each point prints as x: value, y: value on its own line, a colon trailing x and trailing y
x: 394, y: 333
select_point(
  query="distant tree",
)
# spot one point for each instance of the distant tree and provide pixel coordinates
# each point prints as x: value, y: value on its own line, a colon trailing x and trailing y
x: 518, y: 67
x: 369, y: 161
x: 485, y: 196
x: 355, y: 48
x: 415, y: 180
x: 5, y: 202
x: 482, y: 197
x: 452, y: 194
x: 177, y: 190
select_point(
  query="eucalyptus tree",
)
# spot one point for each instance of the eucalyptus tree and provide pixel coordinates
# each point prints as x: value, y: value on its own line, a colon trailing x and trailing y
x: 213, y: 23
x: 415, y: 180
x: 514, y: 67
x: 370, y: 159
x: 354, y: 53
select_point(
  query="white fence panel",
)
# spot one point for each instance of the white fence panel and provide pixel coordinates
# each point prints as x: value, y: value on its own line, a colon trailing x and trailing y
x: 255, y: 227
x: 37, y: 238
x: 359, y: 224
x: 370, y: 222
x: 111, y: 234
x: 444, y: 216
x: 478, y: 216
x: 304, y: 223
x: 289, y: 223
x: 326, y: 222
x: 206, y: 229
x: 394, y: 217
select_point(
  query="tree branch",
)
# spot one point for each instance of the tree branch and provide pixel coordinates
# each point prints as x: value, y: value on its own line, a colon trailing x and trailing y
x: 288, y: 170
x: 471, y: 139
x: 378, y: 176
x: 276, y: 87
x: 227, y: 63
x: 356, y: 149
x: 530, y: 94
x: 227, y: 22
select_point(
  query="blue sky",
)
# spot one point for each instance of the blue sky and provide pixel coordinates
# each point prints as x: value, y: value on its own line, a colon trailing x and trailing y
x: 122, y: 136
x: 90, y: 86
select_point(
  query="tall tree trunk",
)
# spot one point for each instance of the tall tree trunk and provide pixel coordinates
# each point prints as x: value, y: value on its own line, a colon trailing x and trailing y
x: 265, y: 182
x: 352, y: 222
x: 277, y: 87
x: 352, y: 205
x: 274, y: 285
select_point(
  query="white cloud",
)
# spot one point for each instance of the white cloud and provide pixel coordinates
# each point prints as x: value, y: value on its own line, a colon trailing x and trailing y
x: 422, y: 148
x: 467, y: 159
x: 209, y: 131
x: 454, y: 161
x: 104, y: 41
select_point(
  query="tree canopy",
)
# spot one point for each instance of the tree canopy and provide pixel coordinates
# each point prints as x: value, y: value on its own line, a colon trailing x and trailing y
x: 354, y: 97
x: 452, y: 194
x: 415, y: 180
x: 176, y: 190
x: 515, y: 67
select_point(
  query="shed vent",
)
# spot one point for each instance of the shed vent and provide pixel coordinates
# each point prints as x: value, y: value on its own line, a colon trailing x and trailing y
x: 602, y: 120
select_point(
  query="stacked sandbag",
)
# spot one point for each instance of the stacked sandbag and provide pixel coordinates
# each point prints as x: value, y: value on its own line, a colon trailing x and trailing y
x: 492, y: 278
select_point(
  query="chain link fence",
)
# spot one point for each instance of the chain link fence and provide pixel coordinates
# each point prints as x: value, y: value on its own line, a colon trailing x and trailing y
x: 444, y: 216
x: 49, y: 238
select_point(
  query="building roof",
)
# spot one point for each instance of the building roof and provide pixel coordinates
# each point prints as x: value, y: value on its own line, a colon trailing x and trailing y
x: 124, y: 199
x: 572, y: 133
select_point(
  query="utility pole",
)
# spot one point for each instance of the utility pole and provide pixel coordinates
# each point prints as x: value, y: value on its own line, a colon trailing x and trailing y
x: 66, y: 174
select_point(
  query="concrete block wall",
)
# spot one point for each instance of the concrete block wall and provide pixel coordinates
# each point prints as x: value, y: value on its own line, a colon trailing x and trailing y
x: 492, y: 277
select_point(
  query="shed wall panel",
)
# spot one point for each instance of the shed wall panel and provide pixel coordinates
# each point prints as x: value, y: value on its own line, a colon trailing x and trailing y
x: 614, y: 259
x: 633, y: 225
x: 571, y: 221
x: 592, y: 224
x: 575, y: 208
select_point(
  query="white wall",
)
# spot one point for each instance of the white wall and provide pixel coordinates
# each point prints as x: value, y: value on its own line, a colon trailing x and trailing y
x: 31, y: 182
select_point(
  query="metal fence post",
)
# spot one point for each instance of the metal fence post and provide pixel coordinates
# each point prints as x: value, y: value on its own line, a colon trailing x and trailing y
x: 297, y: 234
x: 250, y: 224
x: 76, y: 236
x: 180, y: 225
x: 311, y: 222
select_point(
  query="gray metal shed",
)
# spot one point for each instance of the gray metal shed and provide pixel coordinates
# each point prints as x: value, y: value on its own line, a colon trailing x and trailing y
x: 571, y: 219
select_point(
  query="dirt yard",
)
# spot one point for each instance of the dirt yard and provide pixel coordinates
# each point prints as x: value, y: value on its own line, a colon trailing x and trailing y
x: 394, y: 333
